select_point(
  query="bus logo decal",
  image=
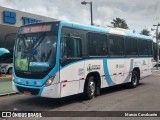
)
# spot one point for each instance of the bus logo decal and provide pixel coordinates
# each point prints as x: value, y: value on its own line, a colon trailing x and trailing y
x: 93, y: 67
x: 89, y: 68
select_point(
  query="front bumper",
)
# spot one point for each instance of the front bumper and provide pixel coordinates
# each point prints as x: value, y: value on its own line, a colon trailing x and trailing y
x: 52, y: 91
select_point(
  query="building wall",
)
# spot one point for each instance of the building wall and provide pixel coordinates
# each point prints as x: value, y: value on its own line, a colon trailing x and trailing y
x: 11, y: 20
x: 20, y: 17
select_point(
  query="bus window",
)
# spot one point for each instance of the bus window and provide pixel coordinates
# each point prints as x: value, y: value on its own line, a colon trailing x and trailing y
x: 116, y: 45
x: 131, y: 46
x: 97, y: 44
x: 143, y: 47
x: 70, y: 47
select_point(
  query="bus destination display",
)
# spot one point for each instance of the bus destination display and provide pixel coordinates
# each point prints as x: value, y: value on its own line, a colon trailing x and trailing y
x: 35, y: 29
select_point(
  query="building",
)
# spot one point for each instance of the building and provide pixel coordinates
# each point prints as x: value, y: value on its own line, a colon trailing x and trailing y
x: 11, y: 20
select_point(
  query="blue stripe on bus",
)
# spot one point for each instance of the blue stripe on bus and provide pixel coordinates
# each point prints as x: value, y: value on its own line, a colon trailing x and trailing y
x: 106, y: 72
x: 32, y: 87
x: 39, y: 82
x: 102, y: 29
x: 138, y: 36
x: 85, y: 27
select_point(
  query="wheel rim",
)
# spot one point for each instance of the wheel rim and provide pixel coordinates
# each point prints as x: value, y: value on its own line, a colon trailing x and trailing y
x: 92, y: 88
x: 134, y: 79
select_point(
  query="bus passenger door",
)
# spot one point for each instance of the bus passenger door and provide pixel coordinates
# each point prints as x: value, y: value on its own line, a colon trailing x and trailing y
x: 71, y: 68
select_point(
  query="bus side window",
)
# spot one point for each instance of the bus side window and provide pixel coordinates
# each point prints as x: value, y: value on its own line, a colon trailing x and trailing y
x: 97, y: 44
x: 143, y: 47
x: 116, y: 45
x: 70, y: 48
x: 131, y: 46
x: 63, y: 49
x: 74, y: 48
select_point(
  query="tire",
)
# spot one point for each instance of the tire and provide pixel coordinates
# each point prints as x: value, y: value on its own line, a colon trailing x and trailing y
x: 10, y: 71
x: 90, y: 88
x: 134, y: 80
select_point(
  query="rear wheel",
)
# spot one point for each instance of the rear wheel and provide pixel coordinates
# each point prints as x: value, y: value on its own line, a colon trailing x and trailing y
x: 134, y: 79
x: 90, y: 88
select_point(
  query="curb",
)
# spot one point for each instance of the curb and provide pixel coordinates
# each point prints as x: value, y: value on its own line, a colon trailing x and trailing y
x: 8, y: 94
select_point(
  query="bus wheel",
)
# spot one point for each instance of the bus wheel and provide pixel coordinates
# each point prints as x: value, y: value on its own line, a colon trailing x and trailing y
x: 90, y: 88
x: 134, y: 79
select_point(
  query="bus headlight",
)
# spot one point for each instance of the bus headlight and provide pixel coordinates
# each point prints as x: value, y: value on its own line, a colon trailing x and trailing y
x: 49, y: 81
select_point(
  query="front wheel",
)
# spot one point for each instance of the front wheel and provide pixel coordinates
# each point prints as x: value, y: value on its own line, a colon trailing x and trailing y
x: 134, y: 79
x: 90, y: 88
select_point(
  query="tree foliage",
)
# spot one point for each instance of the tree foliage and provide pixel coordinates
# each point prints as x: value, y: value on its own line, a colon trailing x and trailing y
x: 145, y: 32
x: 120, y: 23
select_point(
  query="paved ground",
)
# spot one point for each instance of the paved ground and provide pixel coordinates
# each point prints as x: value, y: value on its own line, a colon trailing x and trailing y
x: 5, y: 85
x: 146, y: 97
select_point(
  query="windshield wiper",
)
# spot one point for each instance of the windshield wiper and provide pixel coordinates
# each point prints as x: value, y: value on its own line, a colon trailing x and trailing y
x: 24, y: 37
x: 39, y: 40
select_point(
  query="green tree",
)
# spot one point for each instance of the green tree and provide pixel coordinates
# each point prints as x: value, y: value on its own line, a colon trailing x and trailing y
x: 120, y: 23
x: 145, y: 32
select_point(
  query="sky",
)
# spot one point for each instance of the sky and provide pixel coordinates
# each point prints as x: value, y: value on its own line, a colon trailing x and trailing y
x: 139, y: 14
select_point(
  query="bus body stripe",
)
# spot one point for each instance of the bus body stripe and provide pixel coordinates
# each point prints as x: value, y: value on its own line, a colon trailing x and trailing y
x: 106, y: 72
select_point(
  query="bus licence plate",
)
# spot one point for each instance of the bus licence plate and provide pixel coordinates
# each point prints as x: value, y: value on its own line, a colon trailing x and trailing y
x: 27, y: 92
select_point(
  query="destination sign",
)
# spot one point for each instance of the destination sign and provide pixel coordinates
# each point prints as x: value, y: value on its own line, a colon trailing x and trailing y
x: 35, y: 29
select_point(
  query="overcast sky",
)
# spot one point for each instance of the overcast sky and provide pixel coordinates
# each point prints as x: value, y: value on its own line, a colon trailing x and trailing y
x: 138, y: 14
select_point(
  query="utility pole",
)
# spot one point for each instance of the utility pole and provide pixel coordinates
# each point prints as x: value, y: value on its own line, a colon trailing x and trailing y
x: 157, y: 41
x: 84, y: 3
x: 157, y: 47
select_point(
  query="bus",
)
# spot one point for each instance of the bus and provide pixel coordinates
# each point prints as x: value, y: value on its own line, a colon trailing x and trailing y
x: 58, y: 59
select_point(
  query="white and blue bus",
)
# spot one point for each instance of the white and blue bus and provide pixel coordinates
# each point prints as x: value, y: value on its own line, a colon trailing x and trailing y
x: 58, y: 59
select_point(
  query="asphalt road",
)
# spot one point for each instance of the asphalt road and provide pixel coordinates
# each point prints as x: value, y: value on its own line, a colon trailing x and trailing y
x: 146, y: 97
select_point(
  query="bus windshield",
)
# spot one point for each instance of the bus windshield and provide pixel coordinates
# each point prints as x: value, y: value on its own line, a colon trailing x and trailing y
x: 35, y: 52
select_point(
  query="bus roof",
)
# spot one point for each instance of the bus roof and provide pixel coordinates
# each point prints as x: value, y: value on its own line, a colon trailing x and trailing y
x: 117, y: 31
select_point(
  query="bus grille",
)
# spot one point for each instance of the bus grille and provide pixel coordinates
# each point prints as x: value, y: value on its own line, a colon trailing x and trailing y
x: 30, y: 75
x: 33, y: 91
